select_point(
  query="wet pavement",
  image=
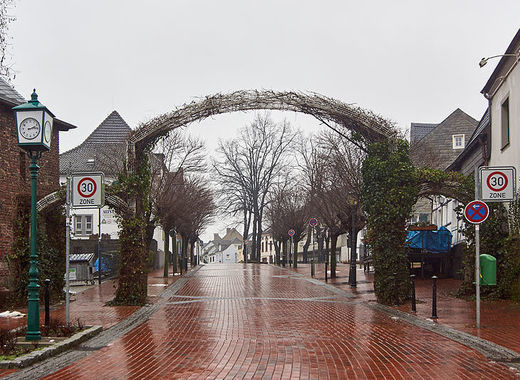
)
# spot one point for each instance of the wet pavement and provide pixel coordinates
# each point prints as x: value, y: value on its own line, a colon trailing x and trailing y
x: 499, y: 320
x: 260, y: 321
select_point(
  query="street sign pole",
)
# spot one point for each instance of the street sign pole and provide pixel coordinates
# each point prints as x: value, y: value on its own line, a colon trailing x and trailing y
x: 477, y: 254
x: 477, y: 272
x: 67, y: 249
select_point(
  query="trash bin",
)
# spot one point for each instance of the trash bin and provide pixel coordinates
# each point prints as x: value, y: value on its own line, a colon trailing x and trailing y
x: 488, y: 270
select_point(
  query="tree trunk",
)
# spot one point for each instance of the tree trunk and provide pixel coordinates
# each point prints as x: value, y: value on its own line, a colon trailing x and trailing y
x: 276, y: 252
x: 247, y: 223
x: 333, y: 243
x: 259, y: 240
x: 253, y: 240
x: 306, y: 245
x: 166, y: 252
x: 192, y: 253
x: 175, y: 253
x: 285, y: 252
x: 320, y: 238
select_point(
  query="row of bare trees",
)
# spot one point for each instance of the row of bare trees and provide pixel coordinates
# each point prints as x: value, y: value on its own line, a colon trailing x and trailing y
x: 324, y: 182
x: 250, y: 166
x: 180, y: 199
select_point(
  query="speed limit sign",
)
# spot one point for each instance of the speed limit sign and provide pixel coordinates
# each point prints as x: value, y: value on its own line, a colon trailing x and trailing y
x: 498, y: 183
x: 87, y: 190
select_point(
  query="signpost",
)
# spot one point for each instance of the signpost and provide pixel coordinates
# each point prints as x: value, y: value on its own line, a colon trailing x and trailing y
x: 84, y: 190
x: 497, y: 183
x: 292, y: 254
x: 476, y: 212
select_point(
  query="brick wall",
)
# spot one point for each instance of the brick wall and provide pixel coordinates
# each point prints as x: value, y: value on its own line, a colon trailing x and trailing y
x: 15, y: 180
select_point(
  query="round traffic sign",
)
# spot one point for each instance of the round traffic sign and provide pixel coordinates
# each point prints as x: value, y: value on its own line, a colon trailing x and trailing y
x: 476, y: 212
x: 497, y: 181
x: 313, y: 222
x: 87, y: 187
x: 291, y: 232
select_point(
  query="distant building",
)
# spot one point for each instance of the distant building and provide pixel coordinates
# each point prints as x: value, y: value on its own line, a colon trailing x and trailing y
x: 102, y: 151
x: 223, y: 250
x: 439, y: 149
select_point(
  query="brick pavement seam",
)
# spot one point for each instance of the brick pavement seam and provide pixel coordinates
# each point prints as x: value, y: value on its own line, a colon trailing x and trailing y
x: 55, y: 363
x: 489, y: 349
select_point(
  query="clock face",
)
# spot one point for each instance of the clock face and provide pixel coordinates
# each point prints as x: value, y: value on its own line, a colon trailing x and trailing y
x: 47, y: 132
x: 30, y: 128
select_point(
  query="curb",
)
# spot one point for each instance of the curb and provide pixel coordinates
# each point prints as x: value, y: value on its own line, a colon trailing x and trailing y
x: 37, y: 356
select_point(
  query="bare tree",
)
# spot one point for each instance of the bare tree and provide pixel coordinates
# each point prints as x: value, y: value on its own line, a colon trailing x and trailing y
x: 249, y: 167
x: 332, y: 166
x: 6, y: 69
x: 289, y: 209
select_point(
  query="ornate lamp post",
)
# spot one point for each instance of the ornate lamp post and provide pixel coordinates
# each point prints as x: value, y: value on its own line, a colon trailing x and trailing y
x: 353, y: 242
x: 34, y: 132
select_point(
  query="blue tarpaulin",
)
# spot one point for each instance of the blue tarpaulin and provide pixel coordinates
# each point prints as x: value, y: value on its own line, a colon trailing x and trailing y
x: 105, y: 266
x: 432, y: 241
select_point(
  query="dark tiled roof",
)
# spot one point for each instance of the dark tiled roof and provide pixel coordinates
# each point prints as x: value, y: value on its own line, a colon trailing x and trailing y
x: 440, y: 139
x: 419, y: 130
x: 104, y: 148
x: 12, y: 97
x: 9, y: 95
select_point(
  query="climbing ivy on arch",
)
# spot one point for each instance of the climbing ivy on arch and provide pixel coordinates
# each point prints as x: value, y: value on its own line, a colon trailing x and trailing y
x: 391, y: 187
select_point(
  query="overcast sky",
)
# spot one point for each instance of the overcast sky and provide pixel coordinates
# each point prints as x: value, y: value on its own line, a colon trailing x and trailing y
x: 410, y: 61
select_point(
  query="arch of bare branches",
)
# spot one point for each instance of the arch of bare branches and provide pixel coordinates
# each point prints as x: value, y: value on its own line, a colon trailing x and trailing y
x: 356, y: 119
x: 59, y: 196
x: 452, y: 190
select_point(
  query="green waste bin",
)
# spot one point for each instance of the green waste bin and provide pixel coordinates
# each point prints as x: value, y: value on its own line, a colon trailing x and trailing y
x: 488, y: 270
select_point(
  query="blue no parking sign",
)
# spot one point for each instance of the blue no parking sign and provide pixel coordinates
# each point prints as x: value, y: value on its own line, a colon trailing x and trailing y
x: 476, y: 212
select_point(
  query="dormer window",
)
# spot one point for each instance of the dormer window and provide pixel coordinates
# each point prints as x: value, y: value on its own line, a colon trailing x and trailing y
x: 458, y: 141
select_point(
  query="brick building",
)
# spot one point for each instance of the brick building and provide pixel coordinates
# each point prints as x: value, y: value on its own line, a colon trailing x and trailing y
x: 15, y: 180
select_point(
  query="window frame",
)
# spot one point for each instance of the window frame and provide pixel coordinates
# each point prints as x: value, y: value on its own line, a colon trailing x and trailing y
x: 83, y: 221
x: 454, y: 141
x: 505, y: 124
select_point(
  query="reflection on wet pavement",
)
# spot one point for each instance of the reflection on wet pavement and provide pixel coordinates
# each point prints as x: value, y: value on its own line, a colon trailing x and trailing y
x: 254, y: 321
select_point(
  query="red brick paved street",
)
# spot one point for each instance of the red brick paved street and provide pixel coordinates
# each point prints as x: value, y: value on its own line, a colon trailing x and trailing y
x: 500, y: 320
x: 256, y: 321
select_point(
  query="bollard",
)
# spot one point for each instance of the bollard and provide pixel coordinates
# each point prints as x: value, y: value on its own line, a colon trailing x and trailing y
x: 312, y: 269
x: 396, y: 291
x: 414, y: 305
x: 326, y: 270
x: 47, y: 308
x: 434, y: 298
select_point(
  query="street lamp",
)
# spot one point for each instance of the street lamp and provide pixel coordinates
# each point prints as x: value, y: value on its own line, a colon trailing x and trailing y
x: 483, y: 61
x: 34, y: 132
x: 353, y: 240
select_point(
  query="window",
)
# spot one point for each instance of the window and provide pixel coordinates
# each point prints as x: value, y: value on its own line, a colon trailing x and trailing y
x: 504, y: 120
x: 83, y: 224
x: 458, y: 141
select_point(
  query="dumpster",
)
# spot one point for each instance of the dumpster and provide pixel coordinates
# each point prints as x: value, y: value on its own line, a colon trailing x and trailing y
x: 488, y: 270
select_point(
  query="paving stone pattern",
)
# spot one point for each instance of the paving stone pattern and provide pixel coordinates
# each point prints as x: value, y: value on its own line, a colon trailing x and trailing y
x: 255, y: 321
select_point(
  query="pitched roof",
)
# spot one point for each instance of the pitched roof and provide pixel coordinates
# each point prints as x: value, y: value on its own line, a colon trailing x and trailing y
x: 103, y: 150
x: 440, y: 139
x: 9, y: 95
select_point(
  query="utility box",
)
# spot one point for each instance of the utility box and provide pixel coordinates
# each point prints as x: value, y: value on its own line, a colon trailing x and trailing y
x: 488, y: 270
